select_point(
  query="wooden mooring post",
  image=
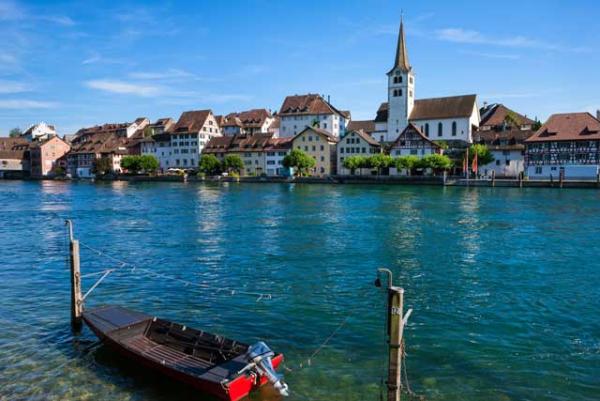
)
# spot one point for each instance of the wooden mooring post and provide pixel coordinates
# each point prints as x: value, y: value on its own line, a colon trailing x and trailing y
x: 396, y: 322
x: 76, y: 297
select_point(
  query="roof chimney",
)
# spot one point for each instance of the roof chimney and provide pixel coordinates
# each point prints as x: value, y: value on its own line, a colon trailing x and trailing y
x: 329, y: 98
x: 598, y: 114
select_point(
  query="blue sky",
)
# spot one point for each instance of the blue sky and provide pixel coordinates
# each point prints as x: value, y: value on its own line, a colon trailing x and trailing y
x: 77, y: 64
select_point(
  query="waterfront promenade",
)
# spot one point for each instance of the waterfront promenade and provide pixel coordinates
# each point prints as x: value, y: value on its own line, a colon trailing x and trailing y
x: 503, y: 282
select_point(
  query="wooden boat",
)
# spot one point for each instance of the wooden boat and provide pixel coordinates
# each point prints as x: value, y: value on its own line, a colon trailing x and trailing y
x: 213, y: 364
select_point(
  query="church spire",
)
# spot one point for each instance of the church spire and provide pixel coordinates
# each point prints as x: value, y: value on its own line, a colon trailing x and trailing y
x: 401, y: 60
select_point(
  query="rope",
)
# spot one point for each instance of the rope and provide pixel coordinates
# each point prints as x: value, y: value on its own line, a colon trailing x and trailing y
x: 308, y: 361
x: 122, y: 264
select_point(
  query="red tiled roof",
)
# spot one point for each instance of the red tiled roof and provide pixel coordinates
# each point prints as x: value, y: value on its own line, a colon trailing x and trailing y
x: 494, y: 115
x: 254, y: 118
x: 279, y: 144
x: 248, y: 143
x: 319, y: 131
x: 412, y: 127
x: 218, y: 144
x: 494, y: 137
x: 306, y: 104
x: 13, y: 148
x: 192, y: 121
x: 366, y: 137
x: 368, y: 126
x: 568, y: 127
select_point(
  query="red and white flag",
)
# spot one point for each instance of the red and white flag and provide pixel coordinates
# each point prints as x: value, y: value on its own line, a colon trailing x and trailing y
x: 474, y: 165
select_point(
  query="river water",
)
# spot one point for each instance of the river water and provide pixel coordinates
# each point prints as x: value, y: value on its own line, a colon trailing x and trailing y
x: 504, y: 283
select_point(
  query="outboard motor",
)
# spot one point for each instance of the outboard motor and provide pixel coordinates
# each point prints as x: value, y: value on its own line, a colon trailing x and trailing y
x: 260, y: 355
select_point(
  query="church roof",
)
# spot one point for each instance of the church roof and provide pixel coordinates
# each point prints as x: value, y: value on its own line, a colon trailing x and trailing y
x: 401, y: 60
x: 443, y: 107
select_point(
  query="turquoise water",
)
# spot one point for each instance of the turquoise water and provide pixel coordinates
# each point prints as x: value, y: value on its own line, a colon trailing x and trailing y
x: 504, y: 283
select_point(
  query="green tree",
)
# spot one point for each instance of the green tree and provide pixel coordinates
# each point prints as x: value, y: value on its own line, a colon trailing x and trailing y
x: 131, y: 164
x: 233, y: 163
x: 442, y: 144
x: 408, y: 163
x: 149, y: 163
x: 299, y: 160
x: 484, y: 156
x: 102, y: 166
x: 537, y: 124
x: 148, y: 131
x: 379, y: 162
x: 15, y: 132
x: 209, y: 164
x: 354, y: 162
x: 436, y: 162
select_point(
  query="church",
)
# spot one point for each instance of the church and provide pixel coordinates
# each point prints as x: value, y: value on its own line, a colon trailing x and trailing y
x: 449, y: 119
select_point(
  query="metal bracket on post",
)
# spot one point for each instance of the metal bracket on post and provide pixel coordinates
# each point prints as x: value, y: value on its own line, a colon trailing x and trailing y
x: 76, y: 297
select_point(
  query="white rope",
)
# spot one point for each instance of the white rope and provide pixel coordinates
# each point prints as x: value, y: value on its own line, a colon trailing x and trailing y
x: 123, y: 264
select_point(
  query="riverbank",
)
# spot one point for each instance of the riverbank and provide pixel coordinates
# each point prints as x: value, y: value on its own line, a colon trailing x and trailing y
x: 367, y: 180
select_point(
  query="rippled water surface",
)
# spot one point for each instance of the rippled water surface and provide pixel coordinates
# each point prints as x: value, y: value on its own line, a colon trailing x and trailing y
x: 504, y: 283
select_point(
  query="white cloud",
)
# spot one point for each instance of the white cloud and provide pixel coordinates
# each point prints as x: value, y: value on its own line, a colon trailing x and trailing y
x: 13, y: 87
x: 459, y: 35
x: 16, y: 104
x: 172, y: 73
x: 503, y: 56
x: 11, y: 11
x: 122, y: 87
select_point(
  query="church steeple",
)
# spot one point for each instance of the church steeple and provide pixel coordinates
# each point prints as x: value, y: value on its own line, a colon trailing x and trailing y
x: 401, y: 60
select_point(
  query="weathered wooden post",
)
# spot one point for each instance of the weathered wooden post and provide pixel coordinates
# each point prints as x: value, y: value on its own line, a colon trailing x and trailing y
x: 561, y: 178
x: 76, y: 297
x: 521, y: 179
x: 493, y: 178
x: 396, y: 322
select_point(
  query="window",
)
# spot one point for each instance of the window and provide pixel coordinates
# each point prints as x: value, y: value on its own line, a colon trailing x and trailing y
x: 508, y: 162
x: 453, y: 128
x: 440, y: 129
x: 322, y: 158
x: 413, y: 151
x: 538, y: 170
x: 426, y: 129
x: 322, y: 147
x: 397, y: 92
x: 497, y: 162
x: 341, y: 150
x: 325, y: 125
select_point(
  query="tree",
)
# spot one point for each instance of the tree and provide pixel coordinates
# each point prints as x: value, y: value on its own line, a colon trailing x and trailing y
x: 484, y: 156
x: 148, y: 131
x: 537, y: 124
x: 233, y: 163
x: 102, y: 166
x: 299, y: 160
x: 379, y: 162
x: 436, y: 162
x: 353, y: 162
x: 209, y: 164
x: 148, y: 163
x: 408, y: 163
x: 15, y: 132
x: 131, y: 164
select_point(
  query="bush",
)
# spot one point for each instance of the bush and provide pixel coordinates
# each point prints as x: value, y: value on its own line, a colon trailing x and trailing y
x: 102, y: 166
x: 135, y: 164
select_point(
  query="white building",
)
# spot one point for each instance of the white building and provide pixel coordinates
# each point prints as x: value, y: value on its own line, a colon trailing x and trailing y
x: 255, y: 121
x: 503, y: 131
x: 275, y: 151
x: 355, y: 143
x: 180, y: 145
x: 451, y: 119
x: 413, y: 142
x: 568, y: 145
x: 300, y: 111
x: 40, y: 131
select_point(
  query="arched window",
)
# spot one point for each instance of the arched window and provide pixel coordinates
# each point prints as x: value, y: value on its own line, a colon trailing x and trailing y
x: 426, y: 129
x: 453, y: 128
x: 440, y: 129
